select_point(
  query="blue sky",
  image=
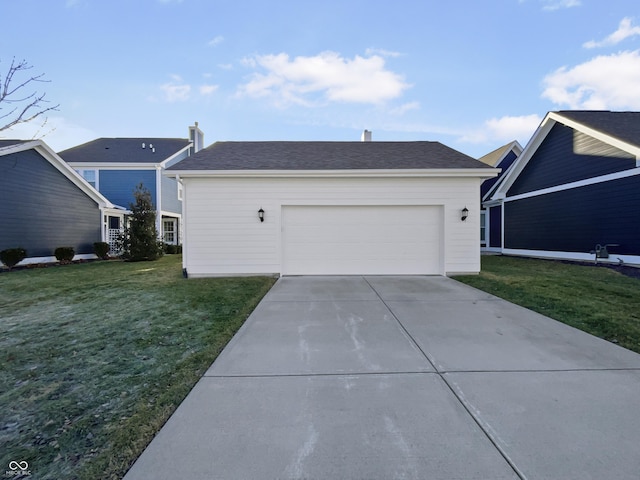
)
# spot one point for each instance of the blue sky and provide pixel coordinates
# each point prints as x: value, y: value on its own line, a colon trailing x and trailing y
x: 471, y: 74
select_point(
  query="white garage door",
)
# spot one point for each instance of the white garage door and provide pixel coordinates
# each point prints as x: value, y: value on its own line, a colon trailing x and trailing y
x: 359, y: 240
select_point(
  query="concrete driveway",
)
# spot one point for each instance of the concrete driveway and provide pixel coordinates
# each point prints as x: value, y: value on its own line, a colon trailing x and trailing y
x: 408, y: 378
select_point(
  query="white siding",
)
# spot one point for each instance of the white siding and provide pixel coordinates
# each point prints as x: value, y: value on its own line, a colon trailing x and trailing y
x: 223, y: 234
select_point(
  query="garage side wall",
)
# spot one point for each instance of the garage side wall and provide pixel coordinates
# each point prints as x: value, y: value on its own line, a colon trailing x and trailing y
x: 224, y: 236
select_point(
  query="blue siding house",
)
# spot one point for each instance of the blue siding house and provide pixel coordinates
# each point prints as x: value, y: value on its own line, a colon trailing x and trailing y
x: 115, y: 166
x: 491, y: 214
x: 574, y: 191
x: 46, y: 204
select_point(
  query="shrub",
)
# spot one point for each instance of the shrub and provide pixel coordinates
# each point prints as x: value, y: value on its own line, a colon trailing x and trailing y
x: 139, y: 241
x: 64, y: 254
x: 178, y: 248
x: 170, y: 249
x: 101, y: 249
x: 12, y: 256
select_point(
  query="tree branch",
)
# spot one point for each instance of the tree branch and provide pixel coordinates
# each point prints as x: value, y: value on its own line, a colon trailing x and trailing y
x: 35, y: 101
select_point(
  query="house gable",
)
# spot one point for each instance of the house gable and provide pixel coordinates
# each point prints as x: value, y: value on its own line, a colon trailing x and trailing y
x: 44, y: 208
x: 567, y: 155
x: 501, y: 158
x: 613, y: 129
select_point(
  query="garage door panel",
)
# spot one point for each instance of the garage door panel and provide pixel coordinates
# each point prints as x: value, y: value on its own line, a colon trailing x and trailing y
x: 355, y: 240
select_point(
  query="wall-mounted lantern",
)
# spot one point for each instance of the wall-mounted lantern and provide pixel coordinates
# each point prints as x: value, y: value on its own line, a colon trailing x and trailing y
x: 261, y: 215
x: 465, y: 214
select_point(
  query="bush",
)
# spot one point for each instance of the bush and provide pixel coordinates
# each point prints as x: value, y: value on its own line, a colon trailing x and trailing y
x: 101, y: 249
x: 139, y: 241
x: 12, y: 256
x: 64, y: 254
x: 170, y: 249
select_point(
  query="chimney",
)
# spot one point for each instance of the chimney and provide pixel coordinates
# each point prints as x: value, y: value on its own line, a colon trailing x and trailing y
x: 366, y: 136
x: 196, y: 137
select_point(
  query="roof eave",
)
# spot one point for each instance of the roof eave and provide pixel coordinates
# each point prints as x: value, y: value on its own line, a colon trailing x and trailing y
x: 431, y: 172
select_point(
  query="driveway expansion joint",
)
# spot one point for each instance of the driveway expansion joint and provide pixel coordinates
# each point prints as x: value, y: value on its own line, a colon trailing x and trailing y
x: 340, y: 374
x: 458, y: 395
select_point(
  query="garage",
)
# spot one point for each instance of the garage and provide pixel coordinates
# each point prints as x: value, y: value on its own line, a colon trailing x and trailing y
x: 330, y: 208
x: 361, y: 239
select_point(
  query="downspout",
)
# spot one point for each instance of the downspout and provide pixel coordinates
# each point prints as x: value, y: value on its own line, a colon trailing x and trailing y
x: 159, y: 202
x: 103, y: 223
x: 185, y: 247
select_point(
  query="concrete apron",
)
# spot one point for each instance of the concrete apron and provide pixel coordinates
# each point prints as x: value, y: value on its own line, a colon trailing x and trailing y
x: 403, y: 377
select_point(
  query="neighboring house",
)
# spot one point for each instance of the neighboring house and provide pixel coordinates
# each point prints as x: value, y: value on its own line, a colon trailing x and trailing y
x: 46, y: 204
x: 321, y: 208
x: 575, y: 189
x: 491, y: 215
x: 115, y: 166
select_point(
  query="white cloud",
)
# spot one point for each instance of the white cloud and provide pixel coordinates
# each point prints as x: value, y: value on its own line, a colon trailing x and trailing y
x: 624, y: 31
x: 208, y: 89
x: 402, y: 109
x: 604, y: 82
x: 176, y: 90
x: 383, y: 53
x: 225, y: 66
x: 504, y: 129
x: 324, y: 77
x: 214, y: 42
x: 552, y: 5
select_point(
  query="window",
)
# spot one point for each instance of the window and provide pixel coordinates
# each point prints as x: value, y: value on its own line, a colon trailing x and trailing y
x: 91, y: 176
x: 114, y: 223
x: 169, y: 231
x: 483, y: 227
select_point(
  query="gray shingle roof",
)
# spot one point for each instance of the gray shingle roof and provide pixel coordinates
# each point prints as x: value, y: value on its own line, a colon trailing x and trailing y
x: 326, y: 156
x: 124, y: 150
x: 624, y: 126
x: 8, y: 143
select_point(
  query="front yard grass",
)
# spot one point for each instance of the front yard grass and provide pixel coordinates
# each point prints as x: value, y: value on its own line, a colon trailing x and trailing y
x: 95, y: 357
x: 597, y: 300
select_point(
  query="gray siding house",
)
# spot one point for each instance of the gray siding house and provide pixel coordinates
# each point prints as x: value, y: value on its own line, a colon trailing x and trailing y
x: 46, y: 204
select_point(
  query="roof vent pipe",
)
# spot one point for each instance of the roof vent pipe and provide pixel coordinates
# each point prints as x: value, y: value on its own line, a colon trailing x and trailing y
x: 366, y: 136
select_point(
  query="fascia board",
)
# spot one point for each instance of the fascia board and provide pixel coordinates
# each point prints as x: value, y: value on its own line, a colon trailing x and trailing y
x: 443, y: 172
x: 515, y: 147
x: 163, y: 164
x: 114, y: 166
x: 532, y: 145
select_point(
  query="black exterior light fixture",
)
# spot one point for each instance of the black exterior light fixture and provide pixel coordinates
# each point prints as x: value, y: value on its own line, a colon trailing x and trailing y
x: 465, y: 214
x: 261, y: 214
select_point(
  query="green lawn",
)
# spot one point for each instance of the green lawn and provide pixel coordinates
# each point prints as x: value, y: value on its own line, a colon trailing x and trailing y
x: 598, y: 300
x: 95, y: 357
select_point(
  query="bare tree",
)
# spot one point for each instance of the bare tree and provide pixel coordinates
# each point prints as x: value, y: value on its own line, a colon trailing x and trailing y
x: 14, y: 94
